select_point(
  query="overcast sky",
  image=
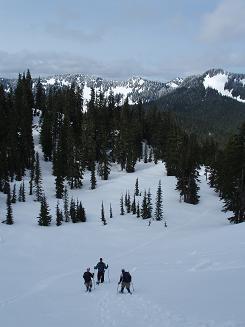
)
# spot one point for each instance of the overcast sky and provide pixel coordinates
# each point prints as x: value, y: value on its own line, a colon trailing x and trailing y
x: 155, y: 39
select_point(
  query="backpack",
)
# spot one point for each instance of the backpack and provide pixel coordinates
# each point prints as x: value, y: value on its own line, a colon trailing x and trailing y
x: 127, y: 277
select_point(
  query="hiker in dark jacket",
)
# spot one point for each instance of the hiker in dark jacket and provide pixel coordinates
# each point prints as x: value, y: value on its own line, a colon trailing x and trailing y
x: 101, y: 266
x: 125, y: 280
x: 88, y: 279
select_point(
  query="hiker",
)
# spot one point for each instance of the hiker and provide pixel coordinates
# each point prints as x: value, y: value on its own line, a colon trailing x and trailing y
x: 101, y: 266
x: 125, y: 280
x: 88, y: 280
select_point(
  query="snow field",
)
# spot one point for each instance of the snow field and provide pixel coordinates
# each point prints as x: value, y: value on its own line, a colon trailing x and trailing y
x: 188, y: 275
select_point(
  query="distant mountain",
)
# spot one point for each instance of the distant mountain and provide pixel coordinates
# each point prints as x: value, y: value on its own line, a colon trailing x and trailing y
x: 135, y: 88
x: 211, y: 103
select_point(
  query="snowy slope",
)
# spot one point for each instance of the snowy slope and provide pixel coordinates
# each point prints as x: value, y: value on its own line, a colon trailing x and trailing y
x: 188, y: 275
x: 218, y: 82
x: 135, y: 88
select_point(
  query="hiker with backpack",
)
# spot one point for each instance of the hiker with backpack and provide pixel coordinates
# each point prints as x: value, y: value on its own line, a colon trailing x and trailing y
x: 101, y: 266
x: 125, y: 281
x: 87, y: 276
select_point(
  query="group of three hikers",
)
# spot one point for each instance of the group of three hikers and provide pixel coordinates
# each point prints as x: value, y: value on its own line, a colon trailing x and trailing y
x: 125, y: 277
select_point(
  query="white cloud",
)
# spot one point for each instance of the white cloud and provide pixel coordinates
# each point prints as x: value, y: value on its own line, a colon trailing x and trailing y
x: 225, y: 23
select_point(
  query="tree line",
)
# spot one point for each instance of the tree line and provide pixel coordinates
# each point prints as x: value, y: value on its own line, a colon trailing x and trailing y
x: 75, y: 137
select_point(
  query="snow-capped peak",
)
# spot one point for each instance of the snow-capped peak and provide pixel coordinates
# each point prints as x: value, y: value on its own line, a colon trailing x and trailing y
x: 224, y: 83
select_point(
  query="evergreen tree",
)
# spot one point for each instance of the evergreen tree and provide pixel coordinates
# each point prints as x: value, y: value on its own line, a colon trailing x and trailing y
x: 38, y: 180
x: 81, y: 216
x: 126, y: 199
x: 121, y: 206
x: 59, y: 215
x: 9, y: 217
x: 187, y: 169
x: 40, y: 97
x: 44, y: 218
x: 13, y: 200
x: 133, y: 207
x: 23, y: 192
x: 144, y: 207
x: 66, y: 205
x: 59, y: 185
x: 128, y: 203
x: 103, y: 214
x: 104, y: 165
x: 150, y: 156
x: 149, y: 204
x: 138, y: 210
x: 136, y: 191
x: 93, y: 177
x: 230, y: 176
x: 111, y: 215
x: 158, y: 205
x: 73, y: 213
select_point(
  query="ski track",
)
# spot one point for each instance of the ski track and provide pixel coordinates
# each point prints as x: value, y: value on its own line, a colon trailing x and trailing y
x: 127, y: 309
x: 44, y: 283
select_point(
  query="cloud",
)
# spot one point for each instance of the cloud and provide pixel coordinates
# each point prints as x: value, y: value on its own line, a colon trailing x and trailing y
x: 225, y: 23
x: 48, y: 63
x: 61, y: 31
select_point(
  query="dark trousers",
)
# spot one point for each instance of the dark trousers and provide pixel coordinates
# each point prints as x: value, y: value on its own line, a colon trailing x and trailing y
x: 100, y: 276
x: 127, y: 285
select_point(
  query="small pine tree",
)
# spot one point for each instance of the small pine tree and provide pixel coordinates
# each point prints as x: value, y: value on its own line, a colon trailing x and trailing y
x: 149, y: 204
x: 150, y: 156
x: 81, y: 213
x: 144, y: 208
x: 103, y: 214
x: 38, y: 180
x: 126, y: 199
x: 133, y: 207
x: 158, y: 206
x: 13, y: 200
x: 59, y: 186
x: 136, y: 191
x: 111, y: 215
x: 59, y: 215
x: 66, y: 205
x: 9, y: 217
x: 44, y: 218
x: 93, y: 177
x: 73, y: 213
x: 121, y: 206
x: 138, y: 210
x: 128, y: 203
x: 23, y: 192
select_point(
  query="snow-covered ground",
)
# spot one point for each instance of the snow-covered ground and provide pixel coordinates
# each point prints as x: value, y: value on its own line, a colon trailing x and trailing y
x: 218, y: 83
x: 188, y: 275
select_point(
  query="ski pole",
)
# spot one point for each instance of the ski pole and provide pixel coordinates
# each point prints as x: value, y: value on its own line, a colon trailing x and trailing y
x: 132, y: 286
x: 117, y: 287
